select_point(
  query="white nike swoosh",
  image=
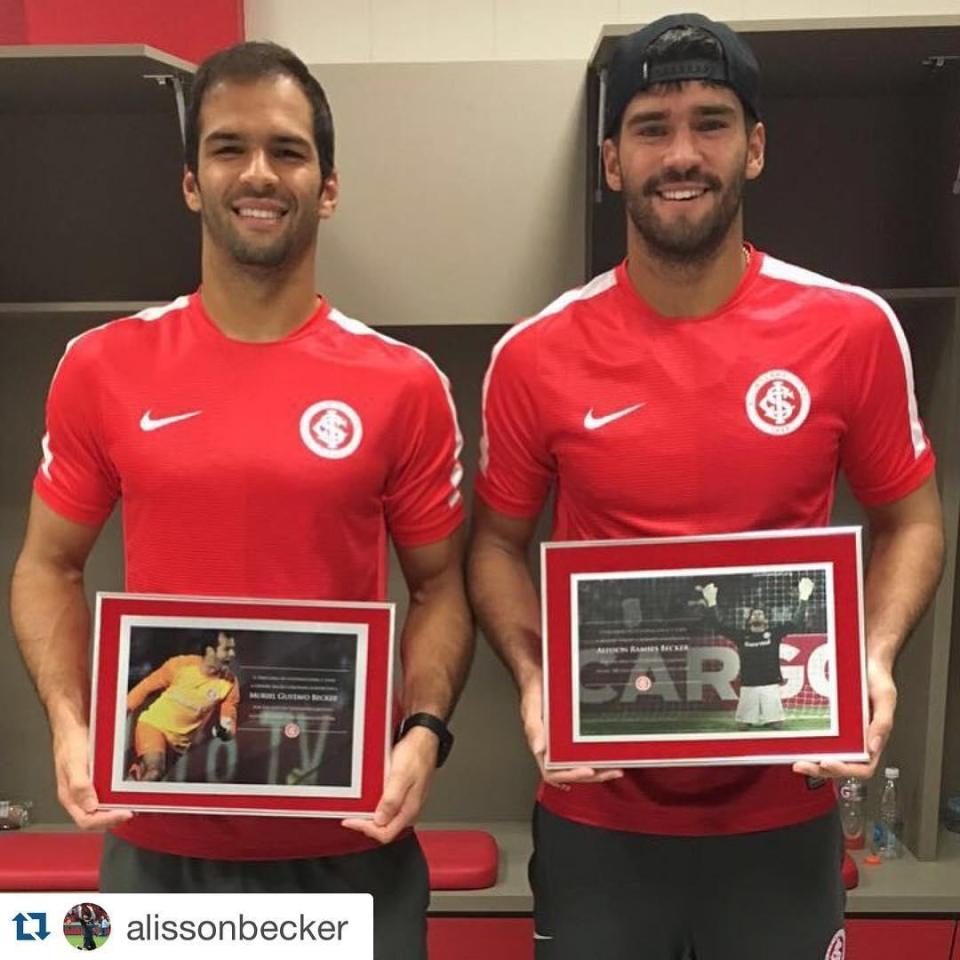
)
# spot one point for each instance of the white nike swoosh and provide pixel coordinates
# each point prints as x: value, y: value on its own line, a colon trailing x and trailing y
x: 594, y: 423
x: 540, y: 936
x: 147, y: 422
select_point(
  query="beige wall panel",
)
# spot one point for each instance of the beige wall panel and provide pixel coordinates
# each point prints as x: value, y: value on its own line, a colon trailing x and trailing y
x: 334, y: 31
x: 643, y: 11
x: 900, y: 8
x: 462, y: 190
x: 404, y: 31
x: 339, y: 31
x: 827, y: 9
x: 550, y: 29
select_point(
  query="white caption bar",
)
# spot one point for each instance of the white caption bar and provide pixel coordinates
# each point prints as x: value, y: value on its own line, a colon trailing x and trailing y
x: 205, y: 927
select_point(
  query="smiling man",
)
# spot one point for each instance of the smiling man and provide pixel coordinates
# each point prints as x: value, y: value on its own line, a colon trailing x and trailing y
x: 264, y: 445
x: 700, y: 387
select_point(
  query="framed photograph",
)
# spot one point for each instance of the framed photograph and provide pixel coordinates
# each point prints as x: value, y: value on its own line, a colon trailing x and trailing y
x: 241, y: 706
x: 747, y: 648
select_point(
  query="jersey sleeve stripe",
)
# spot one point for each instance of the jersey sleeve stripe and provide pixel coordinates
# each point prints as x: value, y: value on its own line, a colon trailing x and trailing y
x: 150, y: 313
x: 778, y: 270
x: 596, y: 286
x: 361, y: 329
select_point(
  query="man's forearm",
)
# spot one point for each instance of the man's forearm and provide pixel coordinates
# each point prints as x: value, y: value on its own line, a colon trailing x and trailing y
x: 506, y: 605
x: 799, y: 618
x: 51, y: 622
x: 903, y: 572
x: 436, y: 648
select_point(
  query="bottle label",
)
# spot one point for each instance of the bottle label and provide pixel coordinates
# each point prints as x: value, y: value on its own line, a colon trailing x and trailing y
x: 854, y: 841
x: 4, y: 809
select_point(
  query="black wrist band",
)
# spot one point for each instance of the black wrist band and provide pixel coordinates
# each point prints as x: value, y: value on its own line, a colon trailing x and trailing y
x: 428, y: 720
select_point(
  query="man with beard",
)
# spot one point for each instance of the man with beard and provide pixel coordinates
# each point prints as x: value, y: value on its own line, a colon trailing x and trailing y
x: 760, y: 703
x: 191, y: 689
x: 264, y: 445
x: 700, y: 387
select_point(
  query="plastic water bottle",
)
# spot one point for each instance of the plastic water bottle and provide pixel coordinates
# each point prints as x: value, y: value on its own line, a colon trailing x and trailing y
x: 14, y: 816
x: 889, y: 815
x: 852, y: 793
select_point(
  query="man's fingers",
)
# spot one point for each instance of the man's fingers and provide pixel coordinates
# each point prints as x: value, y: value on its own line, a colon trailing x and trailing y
x: 404, y: 818
x: 877, y: 736
x: 394, y: 792
x: 536, y: 741
x: 388, y: 831
x: 77, y: 796
x: 84, y: 796
x: 82, y: 807
x: 880, y: 726
x: 75, y: 788
x: 370, y: 829
x: 834, y: 769
x: 104, y: 820
x: 581, y: 775
x: 883, y: 703
x: 366, y: 827
x: 534, y: 730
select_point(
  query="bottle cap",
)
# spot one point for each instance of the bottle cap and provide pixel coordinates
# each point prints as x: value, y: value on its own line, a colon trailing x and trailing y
x: 892, y: 773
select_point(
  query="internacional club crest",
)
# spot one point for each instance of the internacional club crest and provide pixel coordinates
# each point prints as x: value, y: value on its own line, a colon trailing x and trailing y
x: 778, y: 402
x: 837, y: 948
x: 331, y: 429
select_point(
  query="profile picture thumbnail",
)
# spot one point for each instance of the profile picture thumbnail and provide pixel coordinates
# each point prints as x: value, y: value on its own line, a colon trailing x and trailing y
x: 86, y: 926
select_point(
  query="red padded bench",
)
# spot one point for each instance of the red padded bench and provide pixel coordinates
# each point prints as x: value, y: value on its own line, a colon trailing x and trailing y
x: 33, y: 860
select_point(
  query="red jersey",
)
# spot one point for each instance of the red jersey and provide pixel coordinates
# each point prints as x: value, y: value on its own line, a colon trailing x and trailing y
x: 271, y: 470
x: 656, y: 427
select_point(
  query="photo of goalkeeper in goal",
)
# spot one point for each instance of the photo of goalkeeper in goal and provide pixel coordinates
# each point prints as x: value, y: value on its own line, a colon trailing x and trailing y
x: 760, y: 703
x: 725, y: 653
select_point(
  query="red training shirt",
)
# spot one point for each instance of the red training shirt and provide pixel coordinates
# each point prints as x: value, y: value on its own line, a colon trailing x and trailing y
x: 269, y: 470
x: 735, y: 421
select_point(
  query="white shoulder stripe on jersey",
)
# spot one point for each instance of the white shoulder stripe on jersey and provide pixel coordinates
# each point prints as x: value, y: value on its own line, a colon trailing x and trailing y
x: 155, y: 313
x: 149, y: 314
x: 596, y: 286
x: 599, y: 284
x: 778, y: 270
x: 361, y: 329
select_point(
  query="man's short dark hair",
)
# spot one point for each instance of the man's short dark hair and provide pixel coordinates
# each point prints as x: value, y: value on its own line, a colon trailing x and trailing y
x: 257, y: 60
x: 211, y: 639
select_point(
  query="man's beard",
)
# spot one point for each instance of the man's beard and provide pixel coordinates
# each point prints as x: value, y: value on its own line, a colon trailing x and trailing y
x: 685, y: 242
x: 274, y: 253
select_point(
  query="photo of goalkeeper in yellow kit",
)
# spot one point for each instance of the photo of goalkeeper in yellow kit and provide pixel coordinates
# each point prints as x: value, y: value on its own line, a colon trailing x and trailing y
x: 193, y: 689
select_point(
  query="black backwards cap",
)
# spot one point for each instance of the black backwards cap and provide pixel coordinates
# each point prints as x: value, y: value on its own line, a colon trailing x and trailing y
x: 631, y: 71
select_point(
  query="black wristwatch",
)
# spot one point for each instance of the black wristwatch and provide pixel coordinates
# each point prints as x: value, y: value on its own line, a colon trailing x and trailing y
x: 433, y: 723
